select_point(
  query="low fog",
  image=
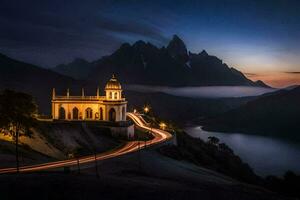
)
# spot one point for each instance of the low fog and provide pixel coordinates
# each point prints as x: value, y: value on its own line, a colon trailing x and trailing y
x: 205, y: 91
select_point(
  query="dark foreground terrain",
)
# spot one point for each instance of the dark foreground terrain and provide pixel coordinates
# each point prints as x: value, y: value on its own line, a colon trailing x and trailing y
x: 145, y: 175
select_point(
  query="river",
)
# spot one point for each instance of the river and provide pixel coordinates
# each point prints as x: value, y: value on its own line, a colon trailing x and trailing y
x: 267, y: 156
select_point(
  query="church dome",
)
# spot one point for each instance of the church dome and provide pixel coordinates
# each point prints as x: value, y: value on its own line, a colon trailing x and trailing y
x: 113, y: 84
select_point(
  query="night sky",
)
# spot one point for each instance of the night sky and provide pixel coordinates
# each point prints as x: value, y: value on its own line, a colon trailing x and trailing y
x: 260, y: 38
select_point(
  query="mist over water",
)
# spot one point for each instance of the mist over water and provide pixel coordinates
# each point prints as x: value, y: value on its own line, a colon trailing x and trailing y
x: 204, y: 91
x: 267, y: 156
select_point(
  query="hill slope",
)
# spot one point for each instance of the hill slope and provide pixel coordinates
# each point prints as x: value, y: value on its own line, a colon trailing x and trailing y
x: 159, y: 177
x: 34, y: 80
x: 275, y: 114
x: 79, y: 68
x: 52, y: 141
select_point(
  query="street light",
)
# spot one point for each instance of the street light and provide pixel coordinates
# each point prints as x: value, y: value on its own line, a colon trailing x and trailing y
x: 146, y: 109
x: 162, y: 126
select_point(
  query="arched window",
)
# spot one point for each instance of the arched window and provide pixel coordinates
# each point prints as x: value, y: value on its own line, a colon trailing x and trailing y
x: 75, y: 113
x: 110, y: 95
x: 116, y: 95
x: 89, y: 113
x: 101, y: 113
x: 112, y: 115
x: 62, y: 113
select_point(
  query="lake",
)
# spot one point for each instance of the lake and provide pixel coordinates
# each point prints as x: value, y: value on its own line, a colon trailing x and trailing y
x: 267, y: 156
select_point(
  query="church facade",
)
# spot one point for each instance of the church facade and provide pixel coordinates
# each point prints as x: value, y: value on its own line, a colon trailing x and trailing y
x: 111, y: 107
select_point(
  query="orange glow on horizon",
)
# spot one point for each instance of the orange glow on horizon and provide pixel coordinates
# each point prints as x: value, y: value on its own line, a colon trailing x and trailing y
x: 276, y: 79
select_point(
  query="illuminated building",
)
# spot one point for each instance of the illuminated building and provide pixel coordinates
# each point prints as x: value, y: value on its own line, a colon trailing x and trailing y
x: 111, y: 107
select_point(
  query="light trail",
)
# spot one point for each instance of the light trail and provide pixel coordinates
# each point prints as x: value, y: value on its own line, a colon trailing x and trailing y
x: 159, y: 136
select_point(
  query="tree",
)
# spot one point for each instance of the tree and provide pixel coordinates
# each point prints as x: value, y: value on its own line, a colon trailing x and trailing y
x: 213, y: 140
x: 17, y: 112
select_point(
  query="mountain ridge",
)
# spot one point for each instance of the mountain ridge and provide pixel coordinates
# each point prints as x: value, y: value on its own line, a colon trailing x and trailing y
x: 173, y: 65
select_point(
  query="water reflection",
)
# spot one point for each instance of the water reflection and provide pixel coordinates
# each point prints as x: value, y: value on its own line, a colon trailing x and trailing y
x: 265, y: 155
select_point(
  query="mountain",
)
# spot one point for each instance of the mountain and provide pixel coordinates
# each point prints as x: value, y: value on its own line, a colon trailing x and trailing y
x: 275, y: 114
x: 261, y: 84
x: 144, y: 63
x: 177, y: 49
x: 35, y: 80
x: 79, y: 68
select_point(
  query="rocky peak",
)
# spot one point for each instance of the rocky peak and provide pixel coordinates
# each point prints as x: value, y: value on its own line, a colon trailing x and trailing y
x: 125, y: 46
x: 139, y: 44
x: 203, y: 53
x: 261, y: 84
x: 176, y: 47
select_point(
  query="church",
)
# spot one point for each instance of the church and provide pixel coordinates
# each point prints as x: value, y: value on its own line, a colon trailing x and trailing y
x: 111, y: 107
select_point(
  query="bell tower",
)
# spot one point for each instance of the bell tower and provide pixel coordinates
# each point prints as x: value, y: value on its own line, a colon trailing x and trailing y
x: 113, y: 89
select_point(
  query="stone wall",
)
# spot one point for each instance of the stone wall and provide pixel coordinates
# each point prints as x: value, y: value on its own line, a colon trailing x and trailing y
x: 123, y: 132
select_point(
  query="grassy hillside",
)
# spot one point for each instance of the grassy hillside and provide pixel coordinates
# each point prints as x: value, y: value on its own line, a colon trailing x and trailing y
x: 56, y: 140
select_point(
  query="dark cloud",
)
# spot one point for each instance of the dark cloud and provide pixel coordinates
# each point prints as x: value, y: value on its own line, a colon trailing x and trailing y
x: 131, y: 27
x: 44, y: 28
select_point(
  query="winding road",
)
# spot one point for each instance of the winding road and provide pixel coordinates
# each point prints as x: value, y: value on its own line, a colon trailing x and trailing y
x: 159, y: 136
